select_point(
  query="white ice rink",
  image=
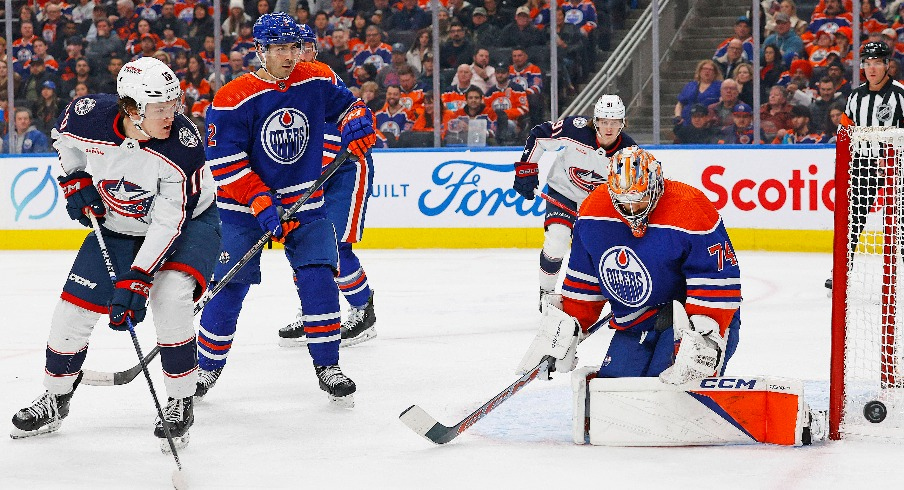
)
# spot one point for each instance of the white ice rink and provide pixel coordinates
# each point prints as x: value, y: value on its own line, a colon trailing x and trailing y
x: 452, y: 327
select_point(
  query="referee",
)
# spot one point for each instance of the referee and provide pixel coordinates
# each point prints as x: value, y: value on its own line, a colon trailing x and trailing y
x: 877, y: 102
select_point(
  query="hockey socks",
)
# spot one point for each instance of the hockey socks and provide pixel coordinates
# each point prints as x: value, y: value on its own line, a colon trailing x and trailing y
x: 352, y: 280
x: 218, y: 323
x: 321, y: 316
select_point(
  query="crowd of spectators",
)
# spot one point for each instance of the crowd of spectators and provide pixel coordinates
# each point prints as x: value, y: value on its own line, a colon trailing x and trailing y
x: 493, y: 59
x: 806, y: 67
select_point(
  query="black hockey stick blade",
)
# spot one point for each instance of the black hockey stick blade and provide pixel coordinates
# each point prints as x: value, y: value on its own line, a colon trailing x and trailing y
x: 427, y: 427
x: 98, y: 378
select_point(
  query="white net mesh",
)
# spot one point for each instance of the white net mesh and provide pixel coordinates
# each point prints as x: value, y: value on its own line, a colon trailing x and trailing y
x: 873, y: 366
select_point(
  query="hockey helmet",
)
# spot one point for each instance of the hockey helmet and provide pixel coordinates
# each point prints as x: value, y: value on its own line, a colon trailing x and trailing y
x: 146, y: 81
x: 276, y: 28
x: 875, y: 49
x: 609, y: 107
x: 307, y: 34
x: 635, y: 184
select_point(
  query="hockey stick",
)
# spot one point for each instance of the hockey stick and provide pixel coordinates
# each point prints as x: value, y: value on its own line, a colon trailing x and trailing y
x: 177, y: 478
x: 418, y: 420
x: 557, y: 203
x: 324, y: 176
x: 99, y: 378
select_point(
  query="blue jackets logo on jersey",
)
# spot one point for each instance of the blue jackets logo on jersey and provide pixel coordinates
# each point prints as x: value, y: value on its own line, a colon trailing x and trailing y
x: 126, y: 198
x: 585, y: 179
x: 625, y: 277
x: 285, y: 135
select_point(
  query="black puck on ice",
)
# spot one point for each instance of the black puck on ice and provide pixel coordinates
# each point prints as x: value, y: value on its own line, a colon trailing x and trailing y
x: 875, y: 411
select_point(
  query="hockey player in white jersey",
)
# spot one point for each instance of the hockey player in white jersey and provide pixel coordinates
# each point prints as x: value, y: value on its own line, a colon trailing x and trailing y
x: 151, y: 191
x: 584, y: 148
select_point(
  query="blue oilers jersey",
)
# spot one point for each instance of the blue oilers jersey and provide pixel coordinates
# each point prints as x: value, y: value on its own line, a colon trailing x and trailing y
x: 685, y: 255
x: 274, y: 130
x: 150, y: 188
x: 581, y: 164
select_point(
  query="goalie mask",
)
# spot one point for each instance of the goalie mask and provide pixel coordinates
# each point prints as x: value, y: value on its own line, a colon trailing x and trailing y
x: 635, y: 185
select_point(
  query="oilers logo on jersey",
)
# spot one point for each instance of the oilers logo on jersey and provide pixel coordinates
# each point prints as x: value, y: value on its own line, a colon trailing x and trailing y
x: 585, y: 179
x: 391, y: 127
x: 126, y: 198
x: 625, y: 277
x: 285, y: 135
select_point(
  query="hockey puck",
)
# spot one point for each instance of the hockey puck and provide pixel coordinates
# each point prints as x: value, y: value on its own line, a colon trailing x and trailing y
x: 875, y: 411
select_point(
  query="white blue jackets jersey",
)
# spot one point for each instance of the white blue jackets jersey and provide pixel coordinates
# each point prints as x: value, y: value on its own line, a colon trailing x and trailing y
x: 273, y: 130
x: 581, y: 164
x: 150, y: 188
x: 685, y: 255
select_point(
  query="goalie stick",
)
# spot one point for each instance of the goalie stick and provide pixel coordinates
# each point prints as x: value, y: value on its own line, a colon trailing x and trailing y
x: 423, y: 424
x: 100, y: 378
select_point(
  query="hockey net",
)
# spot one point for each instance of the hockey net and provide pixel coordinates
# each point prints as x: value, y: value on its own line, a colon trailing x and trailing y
x: 867, y: 370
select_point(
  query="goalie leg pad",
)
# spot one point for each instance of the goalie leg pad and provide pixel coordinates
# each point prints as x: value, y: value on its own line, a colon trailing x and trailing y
x: 558, y: 337
x: 712, y: 411
x: 581, y: 414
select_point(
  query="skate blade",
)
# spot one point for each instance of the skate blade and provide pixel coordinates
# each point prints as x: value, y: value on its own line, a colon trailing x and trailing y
x: 347, y: 401
x: 363, y: 337
x: 297, y: 342
x: 17, y: 433
x: 179, y: 441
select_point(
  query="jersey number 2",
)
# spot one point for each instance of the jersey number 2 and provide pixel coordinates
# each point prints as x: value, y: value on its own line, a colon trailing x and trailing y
x: 211, y: 133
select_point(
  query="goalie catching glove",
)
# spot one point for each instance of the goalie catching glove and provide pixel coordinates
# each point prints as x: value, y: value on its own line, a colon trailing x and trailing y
x: 701, y: 348
x: 558, y: 337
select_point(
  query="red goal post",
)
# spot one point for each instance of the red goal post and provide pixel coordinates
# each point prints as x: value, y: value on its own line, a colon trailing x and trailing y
x: 866, y: 391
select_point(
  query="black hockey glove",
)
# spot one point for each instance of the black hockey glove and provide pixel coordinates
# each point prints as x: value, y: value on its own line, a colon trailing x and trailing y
x: 81, y: 194
x: 526, y: 179
x: 130, y: 299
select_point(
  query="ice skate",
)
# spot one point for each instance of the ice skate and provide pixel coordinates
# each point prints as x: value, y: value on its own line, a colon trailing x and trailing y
x: 292, y: 335
x: 359, y: 326
x: 45, y: 414
x: 817, y: 428
x: 206, y: 380
x: 180, y: 416
x: 338, y: 386
x: 543, y: 294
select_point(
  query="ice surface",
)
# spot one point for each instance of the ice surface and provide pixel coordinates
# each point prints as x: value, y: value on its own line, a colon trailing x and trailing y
x: 452, y: 327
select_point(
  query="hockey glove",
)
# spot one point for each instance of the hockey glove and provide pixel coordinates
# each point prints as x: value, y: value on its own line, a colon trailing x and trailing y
x: 526, y: 179
x: 130, y: 299
x: 81, y: 195
x: 358, y: 132
x: 269, y: 217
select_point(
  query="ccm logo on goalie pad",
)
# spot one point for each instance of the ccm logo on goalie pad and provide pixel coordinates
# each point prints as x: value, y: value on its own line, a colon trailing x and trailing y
x: 727, y: 383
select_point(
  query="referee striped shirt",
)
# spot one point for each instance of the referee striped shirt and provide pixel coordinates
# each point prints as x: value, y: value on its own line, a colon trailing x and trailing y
x: 884, y: 107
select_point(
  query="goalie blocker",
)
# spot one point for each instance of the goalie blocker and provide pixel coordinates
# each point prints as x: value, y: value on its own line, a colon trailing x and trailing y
x: 710, y: 411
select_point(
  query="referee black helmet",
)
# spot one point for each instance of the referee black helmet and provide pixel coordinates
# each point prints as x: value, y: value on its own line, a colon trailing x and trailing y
x: 875, y: 49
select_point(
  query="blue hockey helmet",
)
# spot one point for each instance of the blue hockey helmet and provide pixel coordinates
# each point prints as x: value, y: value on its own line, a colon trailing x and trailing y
x: 307, y: 34
x: 276, y: 28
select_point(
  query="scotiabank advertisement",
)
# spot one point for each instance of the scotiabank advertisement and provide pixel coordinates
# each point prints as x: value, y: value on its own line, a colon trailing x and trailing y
x: 779, y: 188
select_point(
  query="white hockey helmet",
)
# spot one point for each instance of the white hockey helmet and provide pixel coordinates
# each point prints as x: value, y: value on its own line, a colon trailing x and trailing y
x: 609, y: 107
x: 148, y: 80
x: 635, y: 178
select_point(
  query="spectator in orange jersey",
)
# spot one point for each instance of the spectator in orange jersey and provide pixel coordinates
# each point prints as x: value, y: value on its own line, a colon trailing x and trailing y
x: 412, y: 96
x: 125, y: 23
x: 871, y: 18
x: 509, y: 101
x: 195, y: 85
x: 457, y: 125
x: 133, y: 45
x: 423, y: 116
